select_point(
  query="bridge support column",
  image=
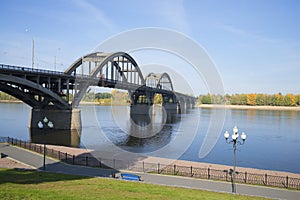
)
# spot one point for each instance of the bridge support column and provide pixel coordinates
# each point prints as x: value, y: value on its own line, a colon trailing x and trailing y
x: 140, y: 113
x: 55, y: 119
x: 172, y: 111
x: 171, y: 108
x: 140, y: 109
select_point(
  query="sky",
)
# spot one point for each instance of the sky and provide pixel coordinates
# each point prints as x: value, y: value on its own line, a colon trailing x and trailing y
x: 254, y: 44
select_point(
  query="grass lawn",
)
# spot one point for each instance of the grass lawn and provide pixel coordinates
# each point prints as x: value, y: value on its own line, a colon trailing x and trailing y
x: 19, y: 184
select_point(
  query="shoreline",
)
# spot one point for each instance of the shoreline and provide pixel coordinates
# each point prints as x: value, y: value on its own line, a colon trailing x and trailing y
x: 11, y: 163
x: 246, y: 107
x: 184, y: 163
x: 237, y: 107
x: 10, y: 101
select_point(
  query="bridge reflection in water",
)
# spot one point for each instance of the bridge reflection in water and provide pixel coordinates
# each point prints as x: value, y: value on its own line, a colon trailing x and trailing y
x: 143, y: 132
x: 70, y: 138
x: 147, y: 132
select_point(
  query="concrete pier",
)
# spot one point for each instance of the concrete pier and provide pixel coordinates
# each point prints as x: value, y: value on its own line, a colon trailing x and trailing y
x: 70, y: 138
x: 55, y: 119
x: 140, y: 109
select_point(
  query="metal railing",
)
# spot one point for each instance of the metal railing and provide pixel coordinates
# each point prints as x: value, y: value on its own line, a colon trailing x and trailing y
x: 27, y: 69
x: 195, y: 172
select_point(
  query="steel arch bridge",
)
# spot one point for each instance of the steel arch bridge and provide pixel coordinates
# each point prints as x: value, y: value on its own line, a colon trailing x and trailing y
x: 50, y: 90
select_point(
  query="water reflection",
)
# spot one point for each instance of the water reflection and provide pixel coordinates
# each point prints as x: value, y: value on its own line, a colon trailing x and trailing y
x: 69, y: 138
x: 147, y: 132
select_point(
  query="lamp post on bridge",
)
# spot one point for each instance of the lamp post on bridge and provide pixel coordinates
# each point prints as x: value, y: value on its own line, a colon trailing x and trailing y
x: 235, y: 142
x: 55, y: 57
x: 32, y: 50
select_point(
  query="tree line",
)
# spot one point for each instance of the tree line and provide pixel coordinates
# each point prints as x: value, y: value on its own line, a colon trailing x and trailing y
x: 252, y: 99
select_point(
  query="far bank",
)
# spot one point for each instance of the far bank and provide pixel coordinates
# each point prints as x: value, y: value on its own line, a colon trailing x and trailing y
x: 245, y: 107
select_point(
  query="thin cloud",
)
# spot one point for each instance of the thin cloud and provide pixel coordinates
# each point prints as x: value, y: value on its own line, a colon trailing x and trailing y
x: 174, y: 13
x: 96, y: 14
x: 249, y: 34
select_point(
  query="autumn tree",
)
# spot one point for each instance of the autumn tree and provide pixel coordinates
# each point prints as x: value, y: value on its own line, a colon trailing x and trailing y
x: 234, y: 99
x: 251, y: 99
x: 158, y: 99
x: 119, y: 96
x: 289, y: 100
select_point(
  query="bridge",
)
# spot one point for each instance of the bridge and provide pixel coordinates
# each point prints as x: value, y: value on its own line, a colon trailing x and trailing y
x: 48, y: 92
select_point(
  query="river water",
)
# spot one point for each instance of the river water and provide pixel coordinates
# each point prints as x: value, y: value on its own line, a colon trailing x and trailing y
x: 273, y: 137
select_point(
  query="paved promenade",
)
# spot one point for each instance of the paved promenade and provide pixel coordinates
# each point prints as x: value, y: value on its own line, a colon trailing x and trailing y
x: 36, y: 161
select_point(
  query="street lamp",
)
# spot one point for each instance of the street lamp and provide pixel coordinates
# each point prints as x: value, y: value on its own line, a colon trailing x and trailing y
x: 235, y: 142
x: 41, y: 124
x: 32, y: 55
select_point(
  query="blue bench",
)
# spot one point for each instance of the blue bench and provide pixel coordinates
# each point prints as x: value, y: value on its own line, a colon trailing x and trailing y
x: 131, y: 177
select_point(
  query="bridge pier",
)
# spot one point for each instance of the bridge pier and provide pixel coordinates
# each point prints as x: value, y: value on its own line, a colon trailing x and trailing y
x: 171, y: 108
x: 172, y: 112
x: 70, y: 138
x: 140, y: 109
x: 55, y: 119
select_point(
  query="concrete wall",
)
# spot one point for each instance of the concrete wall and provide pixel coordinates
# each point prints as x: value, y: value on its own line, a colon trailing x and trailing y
x: 61, y: 119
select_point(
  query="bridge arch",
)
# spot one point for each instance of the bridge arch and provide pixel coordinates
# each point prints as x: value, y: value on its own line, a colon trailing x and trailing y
x: 102, y: 65
x: 159, y: 81
x: 24, y: 89
x: 111, y: 68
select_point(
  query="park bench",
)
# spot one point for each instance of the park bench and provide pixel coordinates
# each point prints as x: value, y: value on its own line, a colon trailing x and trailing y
x: 130, y: 177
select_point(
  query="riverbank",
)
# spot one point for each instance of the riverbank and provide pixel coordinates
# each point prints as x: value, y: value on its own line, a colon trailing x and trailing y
x: 11, y: 101
x: 165, y: 161
x: 240, y: 107
x: 245, y: 107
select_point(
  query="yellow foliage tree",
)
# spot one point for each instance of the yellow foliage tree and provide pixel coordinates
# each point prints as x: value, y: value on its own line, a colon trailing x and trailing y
x: 251, y: 99
x: 158, y: 99
x: 290, y: 100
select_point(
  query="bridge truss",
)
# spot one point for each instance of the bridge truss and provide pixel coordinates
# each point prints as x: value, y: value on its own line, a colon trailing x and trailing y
x: 51, y: 89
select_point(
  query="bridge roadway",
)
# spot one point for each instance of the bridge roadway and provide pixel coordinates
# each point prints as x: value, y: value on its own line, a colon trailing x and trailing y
x: 48, y: 92
x: 41, y: 76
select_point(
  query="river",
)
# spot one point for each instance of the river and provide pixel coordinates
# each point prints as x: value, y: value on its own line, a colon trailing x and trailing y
x: 272, y: 142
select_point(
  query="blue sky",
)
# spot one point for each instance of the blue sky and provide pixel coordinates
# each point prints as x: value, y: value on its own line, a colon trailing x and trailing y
x: 254, y: 44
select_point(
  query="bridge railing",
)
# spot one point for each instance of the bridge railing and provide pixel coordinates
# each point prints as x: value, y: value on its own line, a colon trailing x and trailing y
x: 26, y: 69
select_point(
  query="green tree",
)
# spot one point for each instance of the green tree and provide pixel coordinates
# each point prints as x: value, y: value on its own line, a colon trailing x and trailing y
x: 242, y: 99
x: 218, y: 99
x: 261, y: 99
x: 104, y: 95
x: 234, y: 99
x: 227, y: 98
x: 279, y: 99
x: 89, y: 97
x: 206, y: 99
x: 298, y: 99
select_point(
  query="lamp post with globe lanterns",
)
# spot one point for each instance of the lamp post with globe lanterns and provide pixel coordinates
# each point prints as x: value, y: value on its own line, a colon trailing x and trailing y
x: 235, y: 142
x: 50, y: 124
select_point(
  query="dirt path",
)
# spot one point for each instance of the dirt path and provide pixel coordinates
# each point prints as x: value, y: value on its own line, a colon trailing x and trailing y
x: 10, y: 163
